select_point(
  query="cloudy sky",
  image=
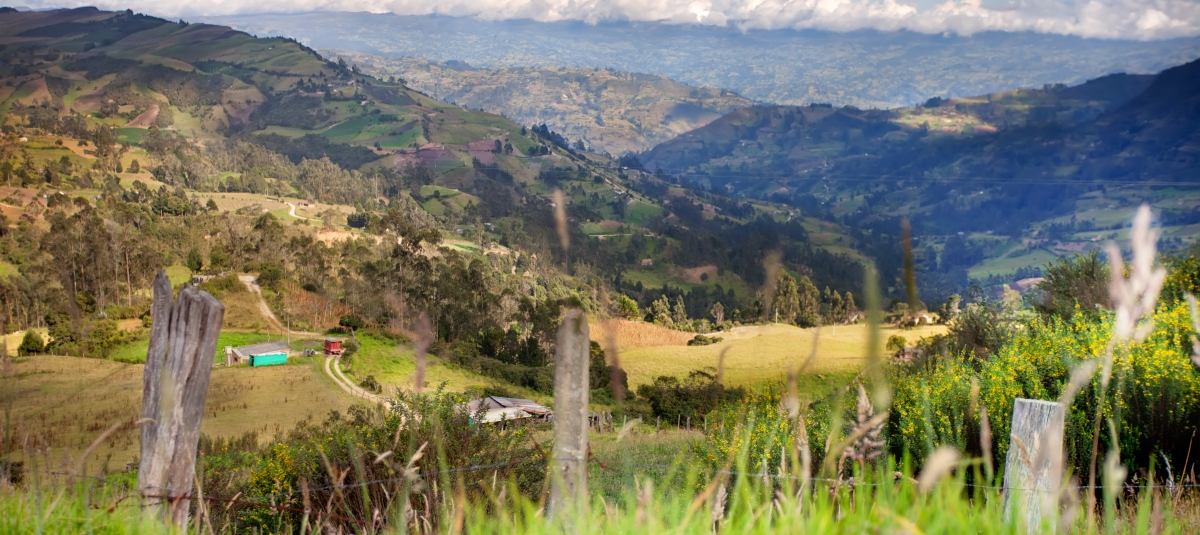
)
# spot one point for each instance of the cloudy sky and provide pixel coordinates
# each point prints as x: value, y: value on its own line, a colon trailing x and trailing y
x: 1113, y: 19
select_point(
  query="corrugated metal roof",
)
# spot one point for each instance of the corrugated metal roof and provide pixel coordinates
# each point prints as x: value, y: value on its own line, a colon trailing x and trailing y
x: 259, y: 349
x: 498, y: 408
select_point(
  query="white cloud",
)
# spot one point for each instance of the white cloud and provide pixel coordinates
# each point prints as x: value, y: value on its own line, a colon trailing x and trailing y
x: 1111, y: 19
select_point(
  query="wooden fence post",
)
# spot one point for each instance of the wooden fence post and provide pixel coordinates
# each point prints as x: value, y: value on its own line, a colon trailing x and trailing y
x: 1033, y: 467
x: 183, y: 340
x: 568, y: 484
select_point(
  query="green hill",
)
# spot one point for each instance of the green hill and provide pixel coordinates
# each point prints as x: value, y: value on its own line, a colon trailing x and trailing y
x: 993, y: 184
x: 610, y: 111
x: 176, y: 114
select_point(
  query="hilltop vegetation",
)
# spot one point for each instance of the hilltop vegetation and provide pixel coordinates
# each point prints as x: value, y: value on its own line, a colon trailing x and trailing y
x: 610, y: 111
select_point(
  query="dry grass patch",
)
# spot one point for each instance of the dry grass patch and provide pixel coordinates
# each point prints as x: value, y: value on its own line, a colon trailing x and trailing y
x: 637, y: 334
x: 63, y: 403
x: 760, y: 353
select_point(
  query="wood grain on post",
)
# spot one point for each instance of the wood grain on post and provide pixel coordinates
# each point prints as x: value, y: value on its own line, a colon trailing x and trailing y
x: 1033, y: 468
x: 183, y: 340
x: 568, y: 484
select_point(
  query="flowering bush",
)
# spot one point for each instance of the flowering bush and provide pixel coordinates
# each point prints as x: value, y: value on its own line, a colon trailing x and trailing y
x: 1155, y: 402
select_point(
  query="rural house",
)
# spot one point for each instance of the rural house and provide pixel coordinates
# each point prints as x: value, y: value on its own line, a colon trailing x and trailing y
x: 498, y: 409
x: 264, y: 354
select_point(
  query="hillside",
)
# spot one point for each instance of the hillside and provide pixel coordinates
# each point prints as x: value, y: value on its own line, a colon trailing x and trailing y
x: 861, y: 68
x: 610, y: 111
x: 1025, y: 175
x: 166, y: 116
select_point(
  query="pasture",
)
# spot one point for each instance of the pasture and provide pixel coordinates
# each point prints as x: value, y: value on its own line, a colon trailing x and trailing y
x: 61, y: 404
x: 762, y: 353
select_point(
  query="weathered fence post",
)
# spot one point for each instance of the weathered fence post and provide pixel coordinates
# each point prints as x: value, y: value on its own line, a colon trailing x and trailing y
x: 568, y: 484
x: 183, y: 340
x: 1033, y: 467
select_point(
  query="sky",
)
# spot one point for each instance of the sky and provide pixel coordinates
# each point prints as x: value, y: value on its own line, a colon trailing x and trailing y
x: 1109, y: 19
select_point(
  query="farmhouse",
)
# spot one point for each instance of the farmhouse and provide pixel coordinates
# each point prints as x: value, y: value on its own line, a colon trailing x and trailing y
x: 498, y: 409
x: 264, y: 354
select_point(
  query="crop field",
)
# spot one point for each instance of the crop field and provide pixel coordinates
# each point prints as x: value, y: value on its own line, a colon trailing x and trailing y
x: 63, y: 403
x: 757, y: 354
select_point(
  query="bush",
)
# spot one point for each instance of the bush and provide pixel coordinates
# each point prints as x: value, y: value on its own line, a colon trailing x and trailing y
x: 31, y: 344
x: 226, y: 284
x: 701, y: 340
x: 371, y: 384
x: 674, y: 400
x: 435, y: 423
x: 896, y: 343
x: 1154, y: 398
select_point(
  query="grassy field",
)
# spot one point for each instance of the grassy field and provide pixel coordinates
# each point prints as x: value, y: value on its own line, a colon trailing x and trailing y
x: 393, y: 365
x: 136, y: 352
x: 764, y: 353
x: 64, y: 403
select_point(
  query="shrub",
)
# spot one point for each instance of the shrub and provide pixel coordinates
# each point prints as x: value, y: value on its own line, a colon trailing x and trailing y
x: 436, y: 424
x: 371, y: 384
x: 695, y: 396
x: 1154, y: 400
x: 31, y: 344
x: 226, y: 284
x: 701, y: 340
x: 896, y: 342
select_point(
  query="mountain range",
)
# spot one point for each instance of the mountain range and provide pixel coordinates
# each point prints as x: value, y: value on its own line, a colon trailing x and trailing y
x: 861, y: 68
x: 611, y: 111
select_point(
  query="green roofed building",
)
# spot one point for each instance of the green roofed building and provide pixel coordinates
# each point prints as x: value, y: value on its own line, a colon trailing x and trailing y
x: 265, y: 354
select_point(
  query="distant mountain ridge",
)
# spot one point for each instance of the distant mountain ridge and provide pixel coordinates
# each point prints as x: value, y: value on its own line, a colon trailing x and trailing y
x: 861, y: 68
x: 610, y: 111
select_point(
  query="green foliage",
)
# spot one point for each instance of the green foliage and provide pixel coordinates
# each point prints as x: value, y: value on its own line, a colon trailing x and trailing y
x: 269, y: 274
x: 895, y: 343
x: 697, y: 395
x: 195, y: 262
x: 31, y: 343
x: 1156, y: 401
x: 1183, y: 275
x: 223, y: 285
x: 627, y: 308
x: 435, y: 423
x: 980, y: 330
x: 1075, y: 284
x: 702, y: 340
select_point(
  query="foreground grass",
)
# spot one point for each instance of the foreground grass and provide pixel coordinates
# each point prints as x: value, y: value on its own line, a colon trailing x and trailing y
x: 61, y: 404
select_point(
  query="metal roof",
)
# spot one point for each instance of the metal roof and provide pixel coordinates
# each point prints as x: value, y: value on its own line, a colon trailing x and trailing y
x: 498, y: 408
x: 259, y: 349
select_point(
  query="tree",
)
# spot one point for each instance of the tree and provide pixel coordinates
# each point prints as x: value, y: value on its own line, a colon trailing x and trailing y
x: 120, y: 169
x: 718, y: 312
x: 950, y: 309
x: 135, y: 167
x: 661, y: 311
x: 896, y: 343
x: 679, y: 312
x: 211, y: 205
x: 194, y: 261
x: 1079, y: 282
x: 31, y: 344
x: 627, y: 308
x: 787, y: 299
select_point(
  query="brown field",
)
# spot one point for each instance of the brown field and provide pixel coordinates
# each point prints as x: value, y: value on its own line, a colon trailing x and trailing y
x: 61, y: 404
x: 637, y: 334
x: 146, y: 119
x: 693, y: 275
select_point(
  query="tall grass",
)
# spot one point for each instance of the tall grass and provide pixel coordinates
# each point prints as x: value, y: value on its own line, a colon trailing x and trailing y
x: 635, y: 334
